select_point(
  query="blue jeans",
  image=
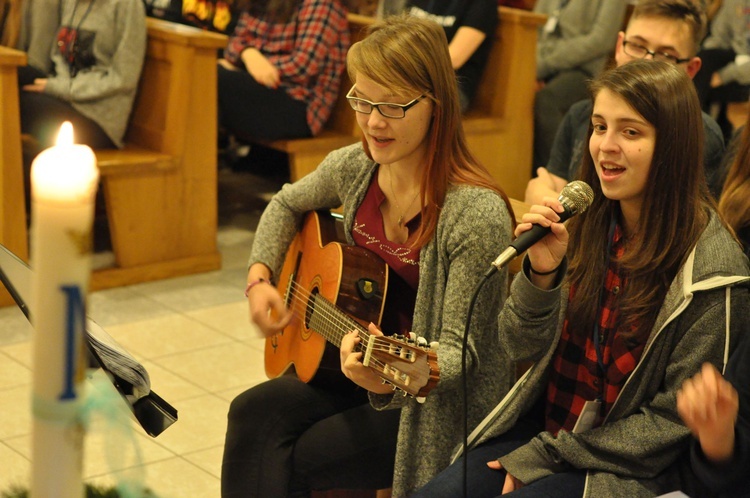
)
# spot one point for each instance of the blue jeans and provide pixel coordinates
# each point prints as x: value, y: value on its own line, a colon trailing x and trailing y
x: 483, y: 482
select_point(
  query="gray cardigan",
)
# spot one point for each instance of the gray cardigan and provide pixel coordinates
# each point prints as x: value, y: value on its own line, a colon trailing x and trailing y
x: 729, y: 31
x: 104, y: 92
x: 474, y: 227
x: 584, y: 37
x: 634, y: 453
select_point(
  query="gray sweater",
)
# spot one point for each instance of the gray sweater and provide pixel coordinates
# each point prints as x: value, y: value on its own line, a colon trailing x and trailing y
x: 104, y: 92
x: 729, y: 31
x: 583, y: 38
x: 635, y: 452
x: 474, y: 227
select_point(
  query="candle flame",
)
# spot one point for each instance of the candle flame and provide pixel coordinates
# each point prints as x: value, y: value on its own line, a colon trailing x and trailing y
x: 65, y: 137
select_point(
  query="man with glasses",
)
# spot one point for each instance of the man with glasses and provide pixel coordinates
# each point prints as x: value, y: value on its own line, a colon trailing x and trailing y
x: 667, y: 30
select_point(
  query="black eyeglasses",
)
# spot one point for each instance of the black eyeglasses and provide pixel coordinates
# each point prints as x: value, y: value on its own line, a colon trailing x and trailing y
x: 639, y: 51
x: 386, y: 109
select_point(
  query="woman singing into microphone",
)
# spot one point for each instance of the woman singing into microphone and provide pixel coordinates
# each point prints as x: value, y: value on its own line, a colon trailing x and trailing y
x: 617, y: 308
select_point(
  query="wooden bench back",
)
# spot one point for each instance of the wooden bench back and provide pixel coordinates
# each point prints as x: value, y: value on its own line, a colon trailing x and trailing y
x: 509, y: 55
x: 160, y: 119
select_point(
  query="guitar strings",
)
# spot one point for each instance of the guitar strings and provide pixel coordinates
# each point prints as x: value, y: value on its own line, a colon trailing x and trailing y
x: 332, y: 316
x: 302, y: 303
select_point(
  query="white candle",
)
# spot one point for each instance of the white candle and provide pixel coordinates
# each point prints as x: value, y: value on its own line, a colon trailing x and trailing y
x: 63, y: 186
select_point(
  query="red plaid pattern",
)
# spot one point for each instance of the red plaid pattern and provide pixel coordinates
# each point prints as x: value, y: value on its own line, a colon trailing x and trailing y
x: 309, y: 51
x: 575, y: 377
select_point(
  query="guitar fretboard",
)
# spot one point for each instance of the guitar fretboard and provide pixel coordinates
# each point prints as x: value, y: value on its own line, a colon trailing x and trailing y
x: 329, y: 321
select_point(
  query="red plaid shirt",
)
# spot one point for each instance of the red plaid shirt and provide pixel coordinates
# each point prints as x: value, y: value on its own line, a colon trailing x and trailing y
x: 309, y: 51
x: 576, y: 376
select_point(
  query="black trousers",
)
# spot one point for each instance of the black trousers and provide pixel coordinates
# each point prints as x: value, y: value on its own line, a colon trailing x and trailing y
x: 250, y: 110
x: 285, y: 438
x: 42, y: 115
x: 713, y: 60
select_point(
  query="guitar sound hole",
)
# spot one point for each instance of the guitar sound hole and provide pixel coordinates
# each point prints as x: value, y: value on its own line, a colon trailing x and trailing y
x: 311, y: 306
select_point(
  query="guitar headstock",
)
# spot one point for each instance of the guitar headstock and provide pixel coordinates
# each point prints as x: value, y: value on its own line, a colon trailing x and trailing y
x: 410, y: 366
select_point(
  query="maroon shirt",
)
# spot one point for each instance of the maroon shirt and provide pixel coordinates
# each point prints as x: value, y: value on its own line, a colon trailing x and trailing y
x: 369, y: 232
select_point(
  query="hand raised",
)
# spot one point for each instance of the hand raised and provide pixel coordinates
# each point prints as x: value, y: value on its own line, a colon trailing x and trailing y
x: 708, y: 405
x: 267, y: 309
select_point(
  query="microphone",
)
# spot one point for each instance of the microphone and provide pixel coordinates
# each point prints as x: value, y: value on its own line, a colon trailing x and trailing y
x: 575, y: 197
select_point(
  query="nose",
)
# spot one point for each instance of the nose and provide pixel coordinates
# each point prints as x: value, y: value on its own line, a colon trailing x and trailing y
x: 375, y: 119
x: 608, y: 142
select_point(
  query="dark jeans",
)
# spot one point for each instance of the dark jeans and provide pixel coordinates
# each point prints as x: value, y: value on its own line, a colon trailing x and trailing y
x: 42, y: 115
x: 483, y: 482
x: 712, y: 60
x: 550, y: 105
x: 285, y: 437
x: 253, y: 111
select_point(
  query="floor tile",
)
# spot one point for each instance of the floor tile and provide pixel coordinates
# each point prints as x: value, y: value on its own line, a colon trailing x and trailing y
x: 123, y: 305
x: 209, y: 460
x: 14, y: 326
x: 20, y: 351
x: 232, y: 319
x: 16, y: 469
x: 165, y: 335
x: 170, y: 386
x: 191, y: 292
x: 12, y: 372
x: 202, y: 424
x: 15, y: 416
x: 240, y: 365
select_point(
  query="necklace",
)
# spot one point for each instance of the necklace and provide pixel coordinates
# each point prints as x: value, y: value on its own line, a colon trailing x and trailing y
x: 400, y: 221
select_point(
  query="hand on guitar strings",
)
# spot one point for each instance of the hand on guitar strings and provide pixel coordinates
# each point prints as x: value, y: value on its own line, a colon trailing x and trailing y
x: 267, y: 309
x: 354, y: 369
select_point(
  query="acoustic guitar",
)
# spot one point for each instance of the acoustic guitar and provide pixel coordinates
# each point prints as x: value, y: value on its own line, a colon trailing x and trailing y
x: 332, y: 289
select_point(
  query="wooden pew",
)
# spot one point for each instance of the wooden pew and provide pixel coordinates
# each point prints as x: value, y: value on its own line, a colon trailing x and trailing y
x: 499, y: 126
x: 161, y: 189
x: 12, y: 200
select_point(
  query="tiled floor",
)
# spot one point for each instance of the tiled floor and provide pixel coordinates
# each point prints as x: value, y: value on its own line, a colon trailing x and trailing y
x: 193, y: 336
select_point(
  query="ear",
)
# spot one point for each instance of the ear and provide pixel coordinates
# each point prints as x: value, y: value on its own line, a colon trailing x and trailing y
x: 619, y: 55
x: 693, y: 66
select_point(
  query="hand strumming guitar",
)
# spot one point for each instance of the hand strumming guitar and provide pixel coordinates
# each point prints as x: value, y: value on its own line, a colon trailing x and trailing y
x: 351, y: 363
x: 267, y: 309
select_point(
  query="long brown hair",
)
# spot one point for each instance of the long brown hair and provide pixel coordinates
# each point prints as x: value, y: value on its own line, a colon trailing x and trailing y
x: 734, y: 203
x: 675, y: 201
x: 408, y: 56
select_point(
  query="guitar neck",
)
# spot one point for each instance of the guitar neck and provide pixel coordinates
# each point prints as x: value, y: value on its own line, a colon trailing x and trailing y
x: 330, y: 322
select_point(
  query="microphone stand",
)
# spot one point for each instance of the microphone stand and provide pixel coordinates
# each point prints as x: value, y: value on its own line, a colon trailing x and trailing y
x: 502, y: 260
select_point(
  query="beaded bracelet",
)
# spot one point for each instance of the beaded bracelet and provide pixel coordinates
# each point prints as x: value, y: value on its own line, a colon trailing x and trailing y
x: 541, y: 274
x: 253, y: 284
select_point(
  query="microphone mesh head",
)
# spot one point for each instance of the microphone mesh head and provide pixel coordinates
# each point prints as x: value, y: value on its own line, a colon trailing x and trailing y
x: 577, y: 196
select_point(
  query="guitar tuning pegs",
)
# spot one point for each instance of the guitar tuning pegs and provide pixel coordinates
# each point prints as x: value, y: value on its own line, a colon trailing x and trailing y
x: 421, y: 399
x: 434, y: 345
x: 422, y: 342
x: 411, y: 337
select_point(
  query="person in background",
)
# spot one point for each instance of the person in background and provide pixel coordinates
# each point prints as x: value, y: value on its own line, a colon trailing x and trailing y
x: 573, y: 46
x: 667, y: 30
x: 725, y: 74
x: 470, y: 28
x: 717, y: 412
x: 615, y: 332
x: 282, y: 67
x: 84, y: 62
x: 413, y: 194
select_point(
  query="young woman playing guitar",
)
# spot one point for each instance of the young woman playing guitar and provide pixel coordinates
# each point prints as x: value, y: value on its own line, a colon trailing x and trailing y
x: 413, y: 194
